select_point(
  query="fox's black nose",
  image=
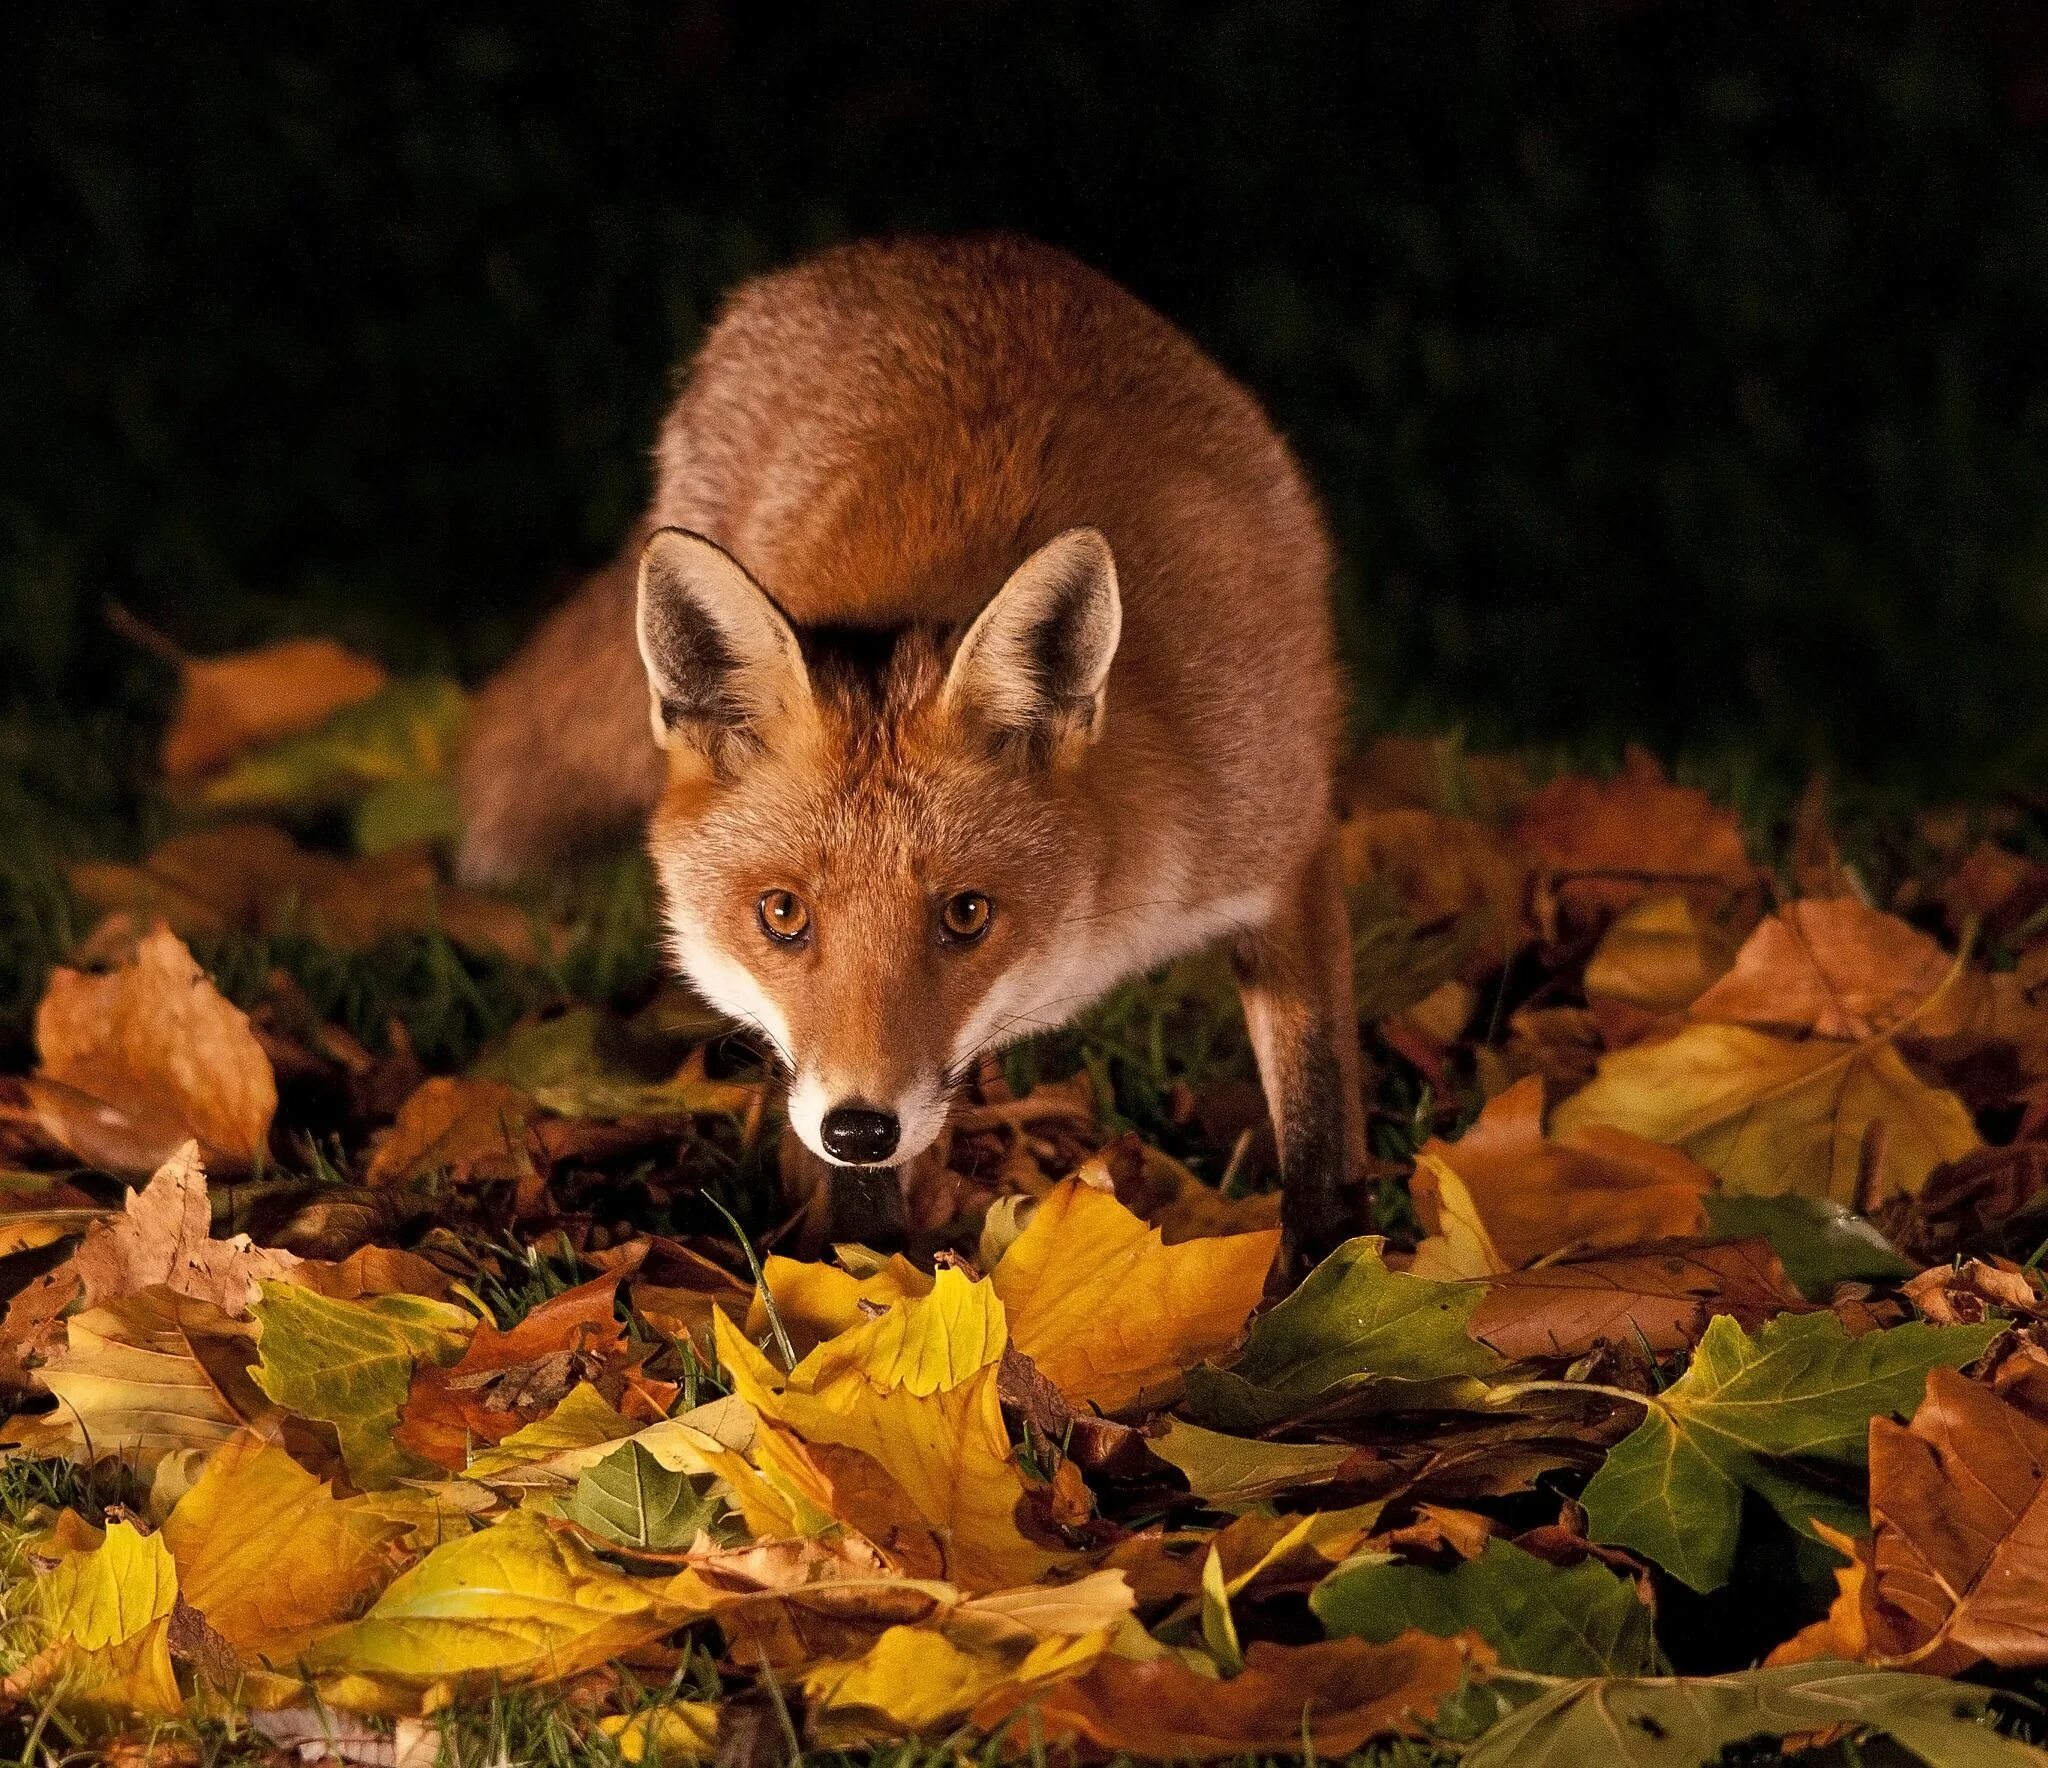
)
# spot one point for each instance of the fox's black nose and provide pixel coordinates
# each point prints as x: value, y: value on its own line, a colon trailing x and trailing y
x: 859, y: 1133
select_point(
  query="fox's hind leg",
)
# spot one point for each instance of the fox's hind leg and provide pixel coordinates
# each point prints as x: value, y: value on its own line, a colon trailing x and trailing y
x: 1294, y: 975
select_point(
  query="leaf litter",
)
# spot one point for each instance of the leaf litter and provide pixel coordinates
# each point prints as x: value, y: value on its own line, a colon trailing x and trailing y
x: 1699, y: 1247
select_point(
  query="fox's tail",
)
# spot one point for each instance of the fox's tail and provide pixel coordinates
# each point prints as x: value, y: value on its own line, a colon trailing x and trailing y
x: 559, y: 754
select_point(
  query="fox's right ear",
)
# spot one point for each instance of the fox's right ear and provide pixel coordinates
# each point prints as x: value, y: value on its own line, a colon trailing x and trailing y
x: 721, y: 659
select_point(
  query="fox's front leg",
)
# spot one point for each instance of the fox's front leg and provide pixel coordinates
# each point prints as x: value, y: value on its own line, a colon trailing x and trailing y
x: 1294, y: 975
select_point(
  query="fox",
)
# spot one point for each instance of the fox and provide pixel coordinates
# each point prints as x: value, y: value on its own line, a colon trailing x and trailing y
x: 975, y: 653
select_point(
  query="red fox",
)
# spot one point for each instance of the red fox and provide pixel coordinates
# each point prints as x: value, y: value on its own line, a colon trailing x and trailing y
x: 985, y: 625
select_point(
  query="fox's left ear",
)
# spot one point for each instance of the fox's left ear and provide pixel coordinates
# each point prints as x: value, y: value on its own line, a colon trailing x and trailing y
x: 1035, y: 663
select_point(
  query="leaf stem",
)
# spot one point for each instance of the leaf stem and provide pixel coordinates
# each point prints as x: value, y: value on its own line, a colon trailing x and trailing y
x: 1514, y: 1390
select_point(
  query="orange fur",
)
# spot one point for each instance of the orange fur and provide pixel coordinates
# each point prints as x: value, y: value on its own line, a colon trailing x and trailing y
x: 880, y: 436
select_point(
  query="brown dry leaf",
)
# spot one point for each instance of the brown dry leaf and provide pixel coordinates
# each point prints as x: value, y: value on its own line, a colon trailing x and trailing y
x: 1832, y: 969
x: 229, y: 704
x: 474, y: 1130
x: 1659, y: 1296
x: 507, y: 1379
x: 1970, y: 1291
x: 1331, y: 1696
x: 136, y: 1063
x: 1767, y: 1115
x: 1996, y: 889
x: 1432, y: 773
x: 1601, y: 845
x: 1959, y: 1502
x: 1503, y: 1195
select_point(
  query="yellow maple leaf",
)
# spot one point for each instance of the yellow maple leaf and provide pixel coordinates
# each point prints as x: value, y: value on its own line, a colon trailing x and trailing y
x: 669, y: 1735
x: 818, y: 1301
x: 111, y: 1686
x: 1768, y: 1115
x: 267, y: 1552
x: 1108, y: 1311
x: 946, y: 1449
x: 1657, y: 956
x: 99, y: 1598
x: 917, y: 1679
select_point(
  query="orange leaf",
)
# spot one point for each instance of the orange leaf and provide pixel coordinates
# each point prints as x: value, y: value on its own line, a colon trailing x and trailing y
x: 1333, y: 1695
x: 229, y: 704
x: 472, y: 1129
x: 1503, y: 1196
x: 1959, y: 1502
x: 1828, y: 969
x: 139, y: 1062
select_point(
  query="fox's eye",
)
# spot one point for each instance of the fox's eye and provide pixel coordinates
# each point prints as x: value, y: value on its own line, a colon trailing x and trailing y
x: 783, y: 916
x: 965, y: 917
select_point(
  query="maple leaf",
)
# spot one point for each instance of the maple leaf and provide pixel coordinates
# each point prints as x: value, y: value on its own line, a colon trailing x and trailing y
x: 267, y: 1552
x: 554, y: 1449
x: 1503, y: 1195
x: 817, y: 1302
x: 916, y: 1680
x: 670, y: 1733
x: 148, y: 1375
x: 1353, y: 1330
x: 1602, y: 845
x: 138, y: 1062
x: 1767, y: 1115
x: 1830, y: 968
x: 505, y: 1379
x: 563, y: 1064
x: 1744, y: 1415
x: 1107, y: 1311
x: 945, y: 1450
x: 1959, y: 1503
x: 515, y: 1602
x: 1440, y: 867
x: 229, y: 704
x: 350, y: 1364
x: 101, y: 1597
x: 1580, y: 1620
x: 1658, y: 1296
x: 1329, y: 1697
x: 1678, y: 1721
x: 474, y: 1130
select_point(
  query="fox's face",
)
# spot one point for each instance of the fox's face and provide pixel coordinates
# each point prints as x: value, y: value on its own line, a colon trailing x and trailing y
x: 876, y: 866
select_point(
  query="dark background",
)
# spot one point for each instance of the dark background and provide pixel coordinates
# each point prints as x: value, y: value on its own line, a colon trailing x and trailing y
x: 1674, y: 371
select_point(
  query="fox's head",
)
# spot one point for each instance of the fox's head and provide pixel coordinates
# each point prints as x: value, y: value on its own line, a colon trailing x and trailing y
x: 870, y: 844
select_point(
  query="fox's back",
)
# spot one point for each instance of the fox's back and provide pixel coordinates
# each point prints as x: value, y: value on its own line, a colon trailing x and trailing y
x: 882, y: 433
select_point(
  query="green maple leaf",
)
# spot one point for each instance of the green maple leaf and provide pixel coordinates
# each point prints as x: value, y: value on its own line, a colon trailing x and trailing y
x: 350, y: 1364
x: 630, y: 1498
x: 1353, y: 1328
x: 1682, y: 1721
x: 1746, y: 1415
x: 1581, y: 1620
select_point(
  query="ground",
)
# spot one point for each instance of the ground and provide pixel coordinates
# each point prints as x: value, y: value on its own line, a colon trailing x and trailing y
x: 419, y: 1347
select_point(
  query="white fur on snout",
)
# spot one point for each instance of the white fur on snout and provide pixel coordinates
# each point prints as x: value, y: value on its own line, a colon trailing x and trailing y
x: 920, y: 1115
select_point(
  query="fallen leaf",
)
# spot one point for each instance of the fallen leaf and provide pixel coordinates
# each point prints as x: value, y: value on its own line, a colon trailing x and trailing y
x: 1329, y: 1697
x: 1107, y: 1311
x: 473, y: 1130
x: 1683, y: 1721
x: 631, y: 1498
x: 565, y: 1064
x: 1657, y: 956
x: 512, y: 1603
x: 230, y: 704
x: 136, y: 1063
x: 113, y: 1686
x: 1746, y: 1414
x: 1602, y: 845
x: 1234, y: 1473
x: 1766, y: 1115
x: 1550, y: 1620
x: 1440, y: 867
x: 267, y: 1552
x: 1959, y: 1504
x: 817, y: 1301
x: 1658, y: 1296
x: 506, y: 1379
x: 1503, y: 1195
x: 1832, y: 969
x: 149, y: 1375
x: 1354, y: 1330
x: 1820, y: 1242
x: 111, y: 1593
x: 668, y: 1735
x: 350, y: 1364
